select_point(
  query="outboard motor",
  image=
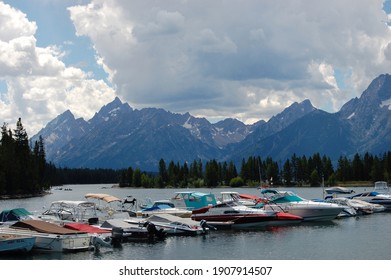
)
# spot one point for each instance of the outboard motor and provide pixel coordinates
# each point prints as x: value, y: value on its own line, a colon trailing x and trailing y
x: 153, y: 231
x: 205, y: 226
x: 117, y: 234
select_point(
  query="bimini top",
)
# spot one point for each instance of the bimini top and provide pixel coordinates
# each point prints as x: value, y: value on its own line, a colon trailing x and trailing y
x: 102, y: 196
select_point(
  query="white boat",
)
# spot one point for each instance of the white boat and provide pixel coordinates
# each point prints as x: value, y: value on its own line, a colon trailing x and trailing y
x: 50, y: 237
x: 191, y: 200
x: 163, y: 208
x: 381, y: 187
x: 338, y: 190
x: 173, y: 225
x: 374, y: 197
x: 63, y: 211
x: 122, y: 231
x: 12, y: 243
x: 292, y: 203
x: 360, y: 207
x: 241, y: 216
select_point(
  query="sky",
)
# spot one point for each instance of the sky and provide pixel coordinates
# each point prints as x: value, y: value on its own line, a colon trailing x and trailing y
x: 217, y: 59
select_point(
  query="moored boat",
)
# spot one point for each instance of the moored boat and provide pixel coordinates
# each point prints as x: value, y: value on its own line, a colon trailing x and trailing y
x: 338, y: 190
x: 173, y: 225
x: 292, y: 203
x: 12, y: 243
x: 49, y: 236
x: 241, y: 216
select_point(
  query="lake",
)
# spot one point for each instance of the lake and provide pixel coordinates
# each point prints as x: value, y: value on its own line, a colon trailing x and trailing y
x: 362, y: 238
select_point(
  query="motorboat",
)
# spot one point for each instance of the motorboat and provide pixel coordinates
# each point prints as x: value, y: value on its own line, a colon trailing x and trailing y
x: 375, y: 197
x: 99, y: 237
x: 173, y: 225
x: 338, y: 190
x: 122, y: 231
x: 10, y: 216
x: 111, y: 207
x: 63, y: 211
x: 381, y: 187
x: 50, y: 237
x: 361, y: 207
x: 12, y: 243
x: 292, y: 203
x: 148, y: 203
x: 241, y: 216
x: 191, y: 200
x: 160, y: 208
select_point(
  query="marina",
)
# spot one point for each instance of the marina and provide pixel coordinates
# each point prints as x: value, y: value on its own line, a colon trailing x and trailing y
x: 353, y: 238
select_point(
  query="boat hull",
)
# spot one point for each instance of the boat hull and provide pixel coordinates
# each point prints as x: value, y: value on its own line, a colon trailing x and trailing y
x: 54, y: 242
x: 15, y: 244
x: 313, y: 213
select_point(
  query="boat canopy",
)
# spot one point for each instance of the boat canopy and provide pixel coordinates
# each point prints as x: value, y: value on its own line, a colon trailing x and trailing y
x: 43, y: 227
x: 85, y: 228
x: 194, y: 200
x: 101, y: 196
x: 15, y: 214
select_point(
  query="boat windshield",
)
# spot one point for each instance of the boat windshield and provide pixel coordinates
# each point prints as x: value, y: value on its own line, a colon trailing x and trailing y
x: 285, y: 197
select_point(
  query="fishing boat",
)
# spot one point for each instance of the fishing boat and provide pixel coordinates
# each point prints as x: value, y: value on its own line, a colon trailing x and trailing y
x: 49, y: 236
x: 63, y: 211
x: 241, y: 216
x: 292, y: 203
x: 12, y: 243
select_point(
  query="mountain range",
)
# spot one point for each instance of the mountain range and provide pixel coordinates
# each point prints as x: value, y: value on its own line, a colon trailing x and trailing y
x: 118, y: 136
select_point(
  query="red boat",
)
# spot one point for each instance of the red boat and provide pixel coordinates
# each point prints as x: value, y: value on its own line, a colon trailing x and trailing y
x: 240, y: 216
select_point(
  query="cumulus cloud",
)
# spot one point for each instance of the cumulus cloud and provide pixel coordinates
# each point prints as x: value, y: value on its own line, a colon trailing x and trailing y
x: 39, y: 85
x: 245, y: 59
x: 215, y: 59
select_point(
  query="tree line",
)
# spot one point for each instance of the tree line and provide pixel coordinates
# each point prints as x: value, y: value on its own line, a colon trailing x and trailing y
x: 24, y: 170
x: 254, y: 171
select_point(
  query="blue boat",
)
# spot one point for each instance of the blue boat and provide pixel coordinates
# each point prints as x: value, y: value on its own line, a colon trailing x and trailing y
x: 193, y: 200
x: 10, y: 243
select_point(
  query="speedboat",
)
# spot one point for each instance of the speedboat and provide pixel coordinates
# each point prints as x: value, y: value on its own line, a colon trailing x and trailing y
x: 173, y: 225
x: 63, y: 211
x: 191, y: 200
x: 375, y: 197
x: 163, y: 209
x: 358, y: 206
x: 292, y: 203
x: 241, y: 216
x: 122, y: 231
x: 49, y: 236
x: 338, y: 190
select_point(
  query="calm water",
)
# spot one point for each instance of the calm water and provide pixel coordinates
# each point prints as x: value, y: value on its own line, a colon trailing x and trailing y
x: 363, y: 238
